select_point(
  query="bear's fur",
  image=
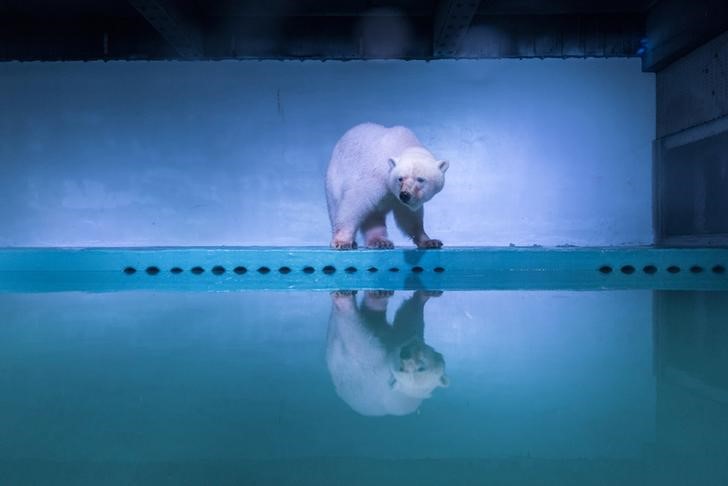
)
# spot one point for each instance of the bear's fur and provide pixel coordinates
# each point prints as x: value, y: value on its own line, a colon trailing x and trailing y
x: 378, y: 368
x: 375, y: 170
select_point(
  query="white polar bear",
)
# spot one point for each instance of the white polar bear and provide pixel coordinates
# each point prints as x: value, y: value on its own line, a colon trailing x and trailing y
x: 378, y: 368
x: 374, y: 170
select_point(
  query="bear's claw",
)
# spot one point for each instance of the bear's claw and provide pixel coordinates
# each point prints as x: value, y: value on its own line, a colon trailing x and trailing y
x: 429, y: 244
x: 426, y: 294
x: 344, y: 245
x: 337, y: 294
x: 380, y: 294
x: 382, y: 244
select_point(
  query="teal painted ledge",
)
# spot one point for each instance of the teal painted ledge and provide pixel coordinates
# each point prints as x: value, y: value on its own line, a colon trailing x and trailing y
x: 306, y: 268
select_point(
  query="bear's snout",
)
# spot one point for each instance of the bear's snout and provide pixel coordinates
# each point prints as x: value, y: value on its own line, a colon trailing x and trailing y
x: 405, y: 196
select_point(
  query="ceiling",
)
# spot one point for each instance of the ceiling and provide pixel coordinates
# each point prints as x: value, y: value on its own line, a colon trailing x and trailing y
x: 318, y: 29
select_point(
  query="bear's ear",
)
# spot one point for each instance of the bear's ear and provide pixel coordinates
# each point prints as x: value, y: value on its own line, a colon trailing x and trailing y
x: 443, y: 165
x: 444, y: 381
x: 392, y: 163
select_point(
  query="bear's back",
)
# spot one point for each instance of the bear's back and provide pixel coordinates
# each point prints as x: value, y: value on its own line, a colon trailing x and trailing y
x: 365, y: 149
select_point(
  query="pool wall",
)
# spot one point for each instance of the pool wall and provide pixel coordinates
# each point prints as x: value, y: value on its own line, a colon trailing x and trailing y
x: 110, y: 269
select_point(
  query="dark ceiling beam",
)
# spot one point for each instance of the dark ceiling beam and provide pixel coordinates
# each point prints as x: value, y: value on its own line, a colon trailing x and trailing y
x: 676, y: 27
x: 320, y: 38
x: 553, y: 36
x: 185, y: 38
x: 451, y: 22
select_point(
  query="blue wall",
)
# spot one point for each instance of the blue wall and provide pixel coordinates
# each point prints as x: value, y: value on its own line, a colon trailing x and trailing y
x: 223, y: 153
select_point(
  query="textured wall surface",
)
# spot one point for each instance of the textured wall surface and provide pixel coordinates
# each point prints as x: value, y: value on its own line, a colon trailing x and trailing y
x: 692, y: 165
x: 234, y: 153
x: 693, y: 89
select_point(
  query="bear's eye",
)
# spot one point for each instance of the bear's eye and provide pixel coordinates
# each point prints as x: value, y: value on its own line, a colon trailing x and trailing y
x: 400, y: 179
x: 420, y: 180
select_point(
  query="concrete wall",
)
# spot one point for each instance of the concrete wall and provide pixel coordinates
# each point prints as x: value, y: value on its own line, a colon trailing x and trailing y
x: 234, y: 153
x: 691, y: 169
x: 693, y: 89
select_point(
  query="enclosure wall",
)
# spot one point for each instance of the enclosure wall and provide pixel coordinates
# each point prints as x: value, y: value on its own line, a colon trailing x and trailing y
x: 544, y: 152
x: 691, y: 152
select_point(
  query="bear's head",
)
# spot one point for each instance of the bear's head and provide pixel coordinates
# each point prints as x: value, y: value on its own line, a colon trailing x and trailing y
x: 417, y: 369
x: 416, y: 176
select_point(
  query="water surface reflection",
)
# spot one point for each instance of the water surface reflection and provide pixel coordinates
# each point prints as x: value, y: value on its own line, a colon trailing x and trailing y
x: 380, y: 368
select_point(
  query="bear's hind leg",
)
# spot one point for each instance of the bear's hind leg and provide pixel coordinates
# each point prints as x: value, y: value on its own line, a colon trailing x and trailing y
x: 374, y: 229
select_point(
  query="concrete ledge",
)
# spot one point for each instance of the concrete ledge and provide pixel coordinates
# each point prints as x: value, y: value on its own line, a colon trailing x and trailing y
x: 250, y: 268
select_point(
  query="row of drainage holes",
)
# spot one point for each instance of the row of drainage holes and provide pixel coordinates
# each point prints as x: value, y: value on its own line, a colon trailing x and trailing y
x: 651, y: 269
x: 219, y: 270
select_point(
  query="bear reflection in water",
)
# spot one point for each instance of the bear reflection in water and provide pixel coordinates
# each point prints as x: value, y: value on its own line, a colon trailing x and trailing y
x: 378, y: 368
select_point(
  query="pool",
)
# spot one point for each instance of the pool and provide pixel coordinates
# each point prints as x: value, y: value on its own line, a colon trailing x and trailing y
x: 308, y: 366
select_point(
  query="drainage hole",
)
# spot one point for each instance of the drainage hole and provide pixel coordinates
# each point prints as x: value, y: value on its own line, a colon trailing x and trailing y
x: 132, y: 270
x: 394, y: 269
x: 218, y: 270
x: 152, y: 270
x: 417, y: 269
x: 308, y: 270
x: 439, y: 269
x: 372, y: 269
x: 696, y: 269
x: 240, y: 270
x: 329, y: 269
x: 650, y: 269
x: 350, y: 269
x: 673, y: 269
x: 263, y: 270
x: 719, y: 269
x: 284, y: 270
x: 197, y: 270
x: 176, y: 270
x: 605, y: 269
x: 627, y: 269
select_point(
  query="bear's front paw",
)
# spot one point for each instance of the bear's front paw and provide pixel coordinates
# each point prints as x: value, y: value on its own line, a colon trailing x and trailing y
x: 426, y: 244
x: 380, y: 243
x: 343, y: 244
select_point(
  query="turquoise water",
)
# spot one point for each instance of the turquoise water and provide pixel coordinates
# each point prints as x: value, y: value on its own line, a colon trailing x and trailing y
x: 477, y: 387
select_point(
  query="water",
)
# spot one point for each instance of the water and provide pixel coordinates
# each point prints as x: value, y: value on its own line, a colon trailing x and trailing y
x: 527, y: 387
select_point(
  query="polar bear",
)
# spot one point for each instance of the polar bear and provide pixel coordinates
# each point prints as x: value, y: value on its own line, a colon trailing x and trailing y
x: 375, y: 170
x: 378, y: 369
